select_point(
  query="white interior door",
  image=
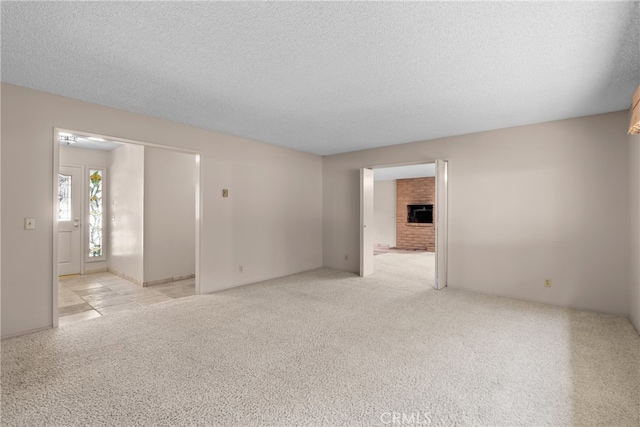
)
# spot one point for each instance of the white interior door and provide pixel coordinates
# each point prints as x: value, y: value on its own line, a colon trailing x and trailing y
x: 366, y: 222
x: 69, y: 225
x: 442, y: 226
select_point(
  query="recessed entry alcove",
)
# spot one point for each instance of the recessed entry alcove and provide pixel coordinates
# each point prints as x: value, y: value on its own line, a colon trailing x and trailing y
x: 126, y: 225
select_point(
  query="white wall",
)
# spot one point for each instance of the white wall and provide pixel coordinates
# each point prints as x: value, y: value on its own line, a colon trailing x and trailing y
x: 156, y: 240
x: 74, y: 156
x: 283, y: 237
x: 169, y: 220
x: 527, y: 203
x: 126, y: 211
x: 384, y: 212
x: 634, y: 230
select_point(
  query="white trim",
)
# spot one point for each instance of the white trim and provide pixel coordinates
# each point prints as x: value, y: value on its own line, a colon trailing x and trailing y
x: 128, y: 141
x: 537, y: 301
x: 198, y: 161
x: 54, y: 237
x: 442, y: 224
x: 366, y: 222
x: 30, y: 331
x: 253, y: 282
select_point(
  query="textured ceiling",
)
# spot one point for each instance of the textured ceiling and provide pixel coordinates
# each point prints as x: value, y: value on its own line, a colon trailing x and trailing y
x: 331, y: 77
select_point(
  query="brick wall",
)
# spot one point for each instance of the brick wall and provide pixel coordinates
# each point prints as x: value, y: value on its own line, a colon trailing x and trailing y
x: 417, y: 191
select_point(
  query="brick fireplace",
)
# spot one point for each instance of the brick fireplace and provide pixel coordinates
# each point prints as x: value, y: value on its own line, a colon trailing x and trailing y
x: 416, y: 191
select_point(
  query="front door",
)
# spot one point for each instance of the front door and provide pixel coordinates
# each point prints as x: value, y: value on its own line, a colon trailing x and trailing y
x: 69, y: 224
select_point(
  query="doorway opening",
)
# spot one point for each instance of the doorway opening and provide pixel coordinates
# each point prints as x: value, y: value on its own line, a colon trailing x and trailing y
x: 126, y: 225
x: 404, y: 221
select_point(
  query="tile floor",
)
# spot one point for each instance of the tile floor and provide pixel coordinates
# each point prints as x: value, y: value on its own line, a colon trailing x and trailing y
x: 94, y: 295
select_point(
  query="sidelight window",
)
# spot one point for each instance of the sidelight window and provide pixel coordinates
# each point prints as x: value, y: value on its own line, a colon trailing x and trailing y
x: 95, y: 213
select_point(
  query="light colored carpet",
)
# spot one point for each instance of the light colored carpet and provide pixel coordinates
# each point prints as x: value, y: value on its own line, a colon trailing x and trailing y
x: 329, y: 348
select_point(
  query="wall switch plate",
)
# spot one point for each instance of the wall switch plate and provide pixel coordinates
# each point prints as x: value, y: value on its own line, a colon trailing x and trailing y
x: 29, y: 223
x: 225, y: 193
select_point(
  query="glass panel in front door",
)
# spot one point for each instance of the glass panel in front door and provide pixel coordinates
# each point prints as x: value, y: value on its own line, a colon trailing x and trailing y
x: 64, y: 197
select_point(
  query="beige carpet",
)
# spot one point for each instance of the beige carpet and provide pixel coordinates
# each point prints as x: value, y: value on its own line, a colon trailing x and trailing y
x: 329, y: 348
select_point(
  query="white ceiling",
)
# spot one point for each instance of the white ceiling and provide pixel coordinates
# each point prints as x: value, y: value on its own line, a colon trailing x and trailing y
x: 404, y: 172
x: 90, y: 143
x: 331, y: 77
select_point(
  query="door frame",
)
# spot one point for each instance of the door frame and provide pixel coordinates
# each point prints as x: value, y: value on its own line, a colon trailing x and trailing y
x: 366, y: 218
x: 442, y: 224
x: 442, y: 235
x: 56, y: 171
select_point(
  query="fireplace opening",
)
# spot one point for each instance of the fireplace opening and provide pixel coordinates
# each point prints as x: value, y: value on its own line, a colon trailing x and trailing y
x: 422, y: 214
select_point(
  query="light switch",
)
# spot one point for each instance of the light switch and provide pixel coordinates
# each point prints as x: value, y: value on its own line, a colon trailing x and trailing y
x: 29, y: 223
x: 225, y: 193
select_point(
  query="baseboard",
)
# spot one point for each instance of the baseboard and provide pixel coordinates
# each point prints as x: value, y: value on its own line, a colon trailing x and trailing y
x: 124, y: 276
x: 637, y: 326
x: 147, y: 283
x: 30, y: 331
x: 96, y: 270
x: 253, y: 282
x: 168, y: 280
x: 574, y: 307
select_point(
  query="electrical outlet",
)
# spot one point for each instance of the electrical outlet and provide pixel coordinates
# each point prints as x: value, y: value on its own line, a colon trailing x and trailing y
x: 225, y: 193
x: 29, y: 223
x: 547, y: 283
x: 241, y: 268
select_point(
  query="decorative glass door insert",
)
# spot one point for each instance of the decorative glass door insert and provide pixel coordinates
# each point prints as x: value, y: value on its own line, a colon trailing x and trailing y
x: 64, y: 197
x: 95, y: 213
